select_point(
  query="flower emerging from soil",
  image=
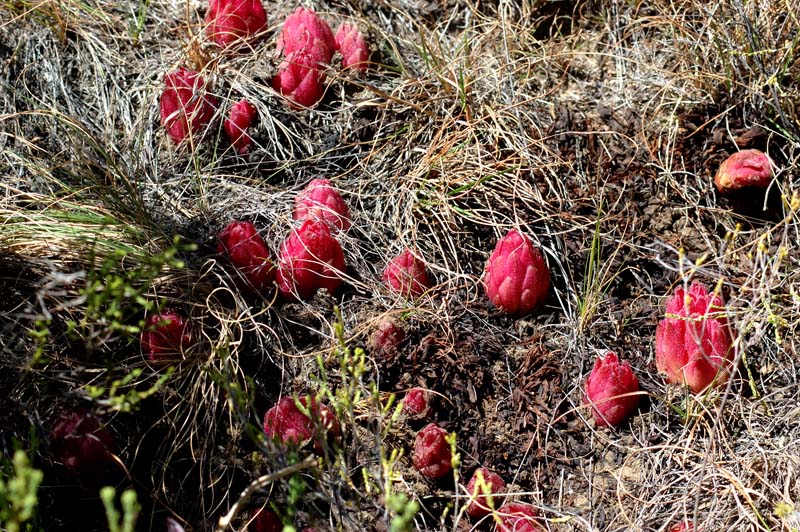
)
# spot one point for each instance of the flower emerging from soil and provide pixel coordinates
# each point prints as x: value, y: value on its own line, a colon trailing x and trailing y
x: 83, y: 445
x: 607, y: 388
x: 693, y: 342
x: 387, y: 337
x: 311, y: 258
x: 304, y: 31
x: 744, y: 169
x: 406, y: 274
x: 432, y: 456
x: 264, y: 520
x: 320, y: 201
x: 483, y: 484
x: 186, y: 107
x: 232, y: 21
x: 518, y: 517
x: 351, y: 44
x: 417, y: 403
x: 166, y: 336
x: 241, y: 117
x: 516, y: 279
x: 287, y: 423
x: 248, y: 252
x: 299, y: 79
x: 683, y: 526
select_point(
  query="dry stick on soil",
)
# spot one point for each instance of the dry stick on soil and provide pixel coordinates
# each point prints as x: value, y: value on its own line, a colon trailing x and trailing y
x: 257, y: 484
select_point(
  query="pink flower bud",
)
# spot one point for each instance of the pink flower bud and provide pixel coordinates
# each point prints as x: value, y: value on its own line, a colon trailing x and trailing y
x: 606, y: 389
x: 299, y: 79
x: 351, y: 44
x: 229, y: 21
x: 406, y: 274
x: 186, y: 108
x: 166, y: 335
x: 417, y: 403
x: 387, y: 337
x: 693, y: 342
x: 241, y: 117
x: 320, y: 201
x: 482, y: 490
x: 516, y: 279
x: 747, y: 168
x: 432, y: 456
x: 305, y: 32
x: 285, y: 422
x: 264, y: 520
x: 248, y: 253
x: 82, y: 445
x: 311, y: 258
x: 518, y: 517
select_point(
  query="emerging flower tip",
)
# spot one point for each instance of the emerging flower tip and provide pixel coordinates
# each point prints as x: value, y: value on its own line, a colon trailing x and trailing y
x: 432, y: 456
x: 82, y: 445
x: 607, y: 389
x: 351, y: 44
x: 248, y: 253
x: 518, y: 517
x: 287, y: 423
x: 299, y: 79
x: 186, y: 108
x: 310, y: 258
x: 387, y: 337
x: 684, y: 526
x: 694, y: 344
x: 744, y: 169
x: 406, y: 274
x: 483, y: 484
x: 264, y: 520
x: 166, y: 336
x: 305, y: 32
x: 231, y: 22
x: 417, y: 403
x: 320, y: 201
x: 517, y: 279
x: 241, y: 117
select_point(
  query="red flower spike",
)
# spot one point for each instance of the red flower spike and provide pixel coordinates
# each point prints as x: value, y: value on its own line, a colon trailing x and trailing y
x: 299, y: 79
x: 387, y: 337
x: 482, y: 492
x: 83, y: 445
x: 186, y: 108
x: 406, y: 274
x: 320, y: 201
x: 264, y: 520
x: 518, y: 517
x: 241, y: 117
x: 248, y: 252
x: 606, y: 389
x: 305, y: 32
x: 683, y: 526
x: 351, y: 44
x: 432, y: 456
x: 744, y: 169
x: 417, y: 403
x: 285, y: 422
x: 516, y: 279
x: 311, y: 258
x: 165, y: 336
x: 693, y: 342
x: 233, y: 21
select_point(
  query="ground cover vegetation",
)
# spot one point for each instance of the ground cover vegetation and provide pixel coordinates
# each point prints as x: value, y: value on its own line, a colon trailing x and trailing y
x: 415, y: 265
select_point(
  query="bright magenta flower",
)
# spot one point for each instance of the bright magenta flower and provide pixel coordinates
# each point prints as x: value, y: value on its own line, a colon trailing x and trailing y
x: 747, y: 168
x: 166, y: 336
x: 351, y: 44
x: 518, y: 517
x: 232, y: 21
x: 432, y: 456
x: 494, y: 483
x: 516, y: 279
x: 693, y: 342
x: 264, y: 520
x: 417, y: 403
x: 320, y: 201
x: 305, y: 32
x: 186, y: 107
x: 605, y: 387
x: 299, y: 79
x: 248, y: 253
x: 83, y: 445
x: 406, y: 274
x: 241, y: 117
x: 311, y: 258
x: 285, y: 422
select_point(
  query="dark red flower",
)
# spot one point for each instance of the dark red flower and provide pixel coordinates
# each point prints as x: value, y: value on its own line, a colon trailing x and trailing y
x: 165, y: 336
x: 406, y: 274
x: 248, y: 252
x: 320, y: 201
x: 311, y: 258
x: 186, y: 107
x: 83, y: 445
x: 482, y: 491
x: 232, y: 21
x: 432, y: 456
x: 241, y: 117
x: 287, y: 423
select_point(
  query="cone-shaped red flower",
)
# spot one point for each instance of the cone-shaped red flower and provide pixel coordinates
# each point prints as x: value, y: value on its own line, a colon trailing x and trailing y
x: 606, y: 389
x: 481, y: 486
x: 264, y: 520
x: 387, y: 337
x: 693, y: 342
x: 516, y: 279
x: 518, y: 517
x: 241, y: 117
x: 304, y: 31
x: 311, y: 258
x: 248, y: 253
x: 234, y: 21
x: 351, y: 44
x: 432, y: 456
x: 320, y: 201
x: 166, y: 336
x: 747, y: 168
x: 299, y: 79
x: 417, y: 403
x: 285, y: 422
x: 83, y: 445
x: 186, y: 107
x: 406, y: 274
